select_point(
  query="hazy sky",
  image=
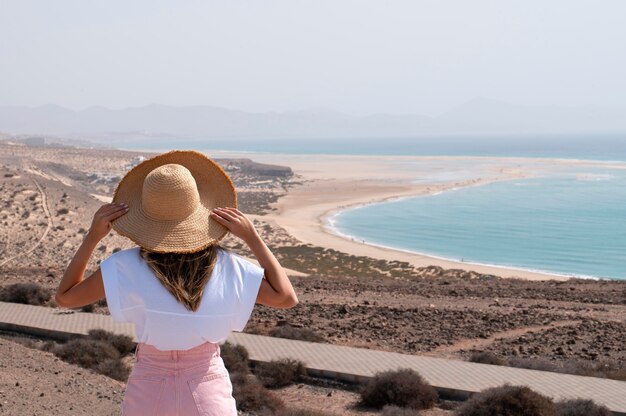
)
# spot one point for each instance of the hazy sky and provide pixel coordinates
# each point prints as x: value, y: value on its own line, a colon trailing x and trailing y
x: 359, y: 56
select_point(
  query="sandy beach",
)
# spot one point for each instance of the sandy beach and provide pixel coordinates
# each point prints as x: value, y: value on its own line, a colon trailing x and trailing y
x: 333, y: 183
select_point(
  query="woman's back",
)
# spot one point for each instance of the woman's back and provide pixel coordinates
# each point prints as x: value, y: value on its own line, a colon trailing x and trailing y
x: 134, y: 294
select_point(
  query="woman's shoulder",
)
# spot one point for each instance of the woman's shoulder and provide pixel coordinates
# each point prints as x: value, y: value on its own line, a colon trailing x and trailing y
x: 238, y: 264
x: 232, y: 258
x: 129, y: 254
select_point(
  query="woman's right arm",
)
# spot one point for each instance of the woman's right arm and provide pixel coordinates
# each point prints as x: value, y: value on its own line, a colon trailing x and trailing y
x: 276, y: 289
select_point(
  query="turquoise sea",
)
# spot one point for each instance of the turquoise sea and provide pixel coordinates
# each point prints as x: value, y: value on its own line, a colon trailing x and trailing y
x: 569, y: 221
x: 571, y: 224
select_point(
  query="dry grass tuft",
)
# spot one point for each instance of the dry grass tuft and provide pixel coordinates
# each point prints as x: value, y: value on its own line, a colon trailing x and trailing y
x: 508, y: 400
x: 403, y: 388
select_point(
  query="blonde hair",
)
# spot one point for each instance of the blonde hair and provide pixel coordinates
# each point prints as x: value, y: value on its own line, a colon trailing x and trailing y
x: 184, y: 275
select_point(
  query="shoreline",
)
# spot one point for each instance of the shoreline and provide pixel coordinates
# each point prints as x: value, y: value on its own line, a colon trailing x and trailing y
x: 304, y: 211
x: 325, y: 224
x: 327, y: 219
x: 555, y: 275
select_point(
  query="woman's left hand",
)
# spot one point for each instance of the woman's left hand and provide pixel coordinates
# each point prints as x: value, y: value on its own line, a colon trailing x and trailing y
x: 101, y: 224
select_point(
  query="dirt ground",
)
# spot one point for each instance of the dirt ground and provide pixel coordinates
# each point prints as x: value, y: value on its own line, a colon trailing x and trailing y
x: 34, y: 382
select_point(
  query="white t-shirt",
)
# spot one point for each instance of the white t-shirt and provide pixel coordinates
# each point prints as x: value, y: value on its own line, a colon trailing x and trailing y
x: 134, y: 294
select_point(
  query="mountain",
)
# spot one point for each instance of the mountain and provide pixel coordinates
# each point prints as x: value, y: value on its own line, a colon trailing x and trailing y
x: 502, y: 116
x: 478, y: 116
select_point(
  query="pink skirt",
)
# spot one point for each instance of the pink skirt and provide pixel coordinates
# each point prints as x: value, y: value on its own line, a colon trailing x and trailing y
x: 179, y: 383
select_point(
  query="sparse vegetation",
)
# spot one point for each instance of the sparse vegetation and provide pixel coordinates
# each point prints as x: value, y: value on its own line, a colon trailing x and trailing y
x: 87, y: 353
x: 580, y: 407
x: 249, y: 393
x: 397, y: 411
x: 236, y: 359
x: 280, y: 373
x: 114, y: 368
x: 101, y: 351
x: 510, y: 401
x: 302, y: 412
x: 251, y: 396
x: 403, y: 388
x: 486, y: 358
x: 600, y: 368
x: 122, y: 343
x: 92, y: 306
x: 292, y: 332
x: 26, y: 293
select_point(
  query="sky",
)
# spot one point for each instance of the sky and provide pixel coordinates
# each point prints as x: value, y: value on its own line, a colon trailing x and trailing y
x: 355, y: 56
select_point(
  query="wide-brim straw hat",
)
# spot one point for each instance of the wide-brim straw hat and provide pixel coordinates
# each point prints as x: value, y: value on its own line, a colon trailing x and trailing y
x: 170, y: 197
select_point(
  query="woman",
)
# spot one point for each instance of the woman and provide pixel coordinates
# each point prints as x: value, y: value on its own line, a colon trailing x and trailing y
x: 183, y: 292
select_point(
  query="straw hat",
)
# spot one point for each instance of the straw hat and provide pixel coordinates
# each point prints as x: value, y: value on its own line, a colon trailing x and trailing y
x: 169, y: 198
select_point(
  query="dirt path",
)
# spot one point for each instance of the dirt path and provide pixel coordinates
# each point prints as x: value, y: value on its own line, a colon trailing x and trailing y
x: 44, y: 204
x: 478, y: 344
x: 7, y: 244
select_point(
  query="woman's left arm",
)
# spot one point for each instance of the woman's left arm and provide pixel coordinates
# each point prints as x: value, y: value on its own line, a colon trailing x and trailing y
x: 73, y: 291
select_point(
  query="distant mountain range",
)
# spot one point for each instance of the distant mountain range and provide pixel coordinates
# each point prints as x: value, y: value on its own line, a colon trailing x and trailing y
x: 478, y: 116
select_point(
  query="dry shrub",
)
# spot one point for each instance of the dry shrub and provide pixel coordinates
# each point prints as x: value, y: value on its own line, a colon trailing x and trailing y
x: 122, y: 343
x: 88, y: 308
x: 581, y: 407
x: 26, y: 293
x: 404, y: 388
x: 87, y: 353
x: 279, y: 373
x: 486, y: 358
x: 113, y: 368
x: 48, y: 346
x: 603, y: 369
x: 249, y: 393
x: 616, y: 374
x: 398, y: 411
x: 540, y: 364
x: 101, y: 355
x: 302, y: 412
x: 510, y: 401
x: 599, y: 368
x: 291, y: 332
x: 92, y: 306
x: 251, y: 396
x: 236, y: 358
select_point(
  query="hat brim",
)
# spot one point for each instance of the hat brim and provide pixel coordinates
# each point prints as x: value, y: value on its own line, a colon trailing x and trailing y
x: 190, y: 234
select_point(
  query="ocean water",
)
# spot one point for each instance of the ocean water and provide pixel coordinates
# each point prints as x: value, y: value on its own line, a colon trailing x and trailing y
x: 588, y: 147
x: 570, y: 223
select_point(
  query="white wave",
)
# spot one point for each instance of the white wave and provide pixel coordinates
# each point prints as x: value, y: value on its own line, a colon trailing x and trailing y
x: 334, y: 230
x: 594, y: 177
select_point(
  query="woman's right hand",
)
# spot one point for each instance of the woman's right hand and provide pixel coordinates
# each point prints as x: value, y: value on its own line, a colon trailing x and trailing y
x: 101, y: 224
x: 236, y: 222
